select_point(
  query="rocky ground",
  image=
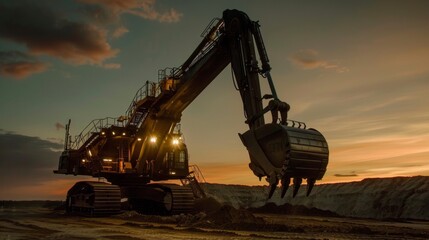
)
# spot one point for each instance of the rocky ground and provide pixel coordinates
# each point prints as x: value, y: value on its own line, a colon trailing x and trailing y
x: 391, y: 208
x: 213, y: 221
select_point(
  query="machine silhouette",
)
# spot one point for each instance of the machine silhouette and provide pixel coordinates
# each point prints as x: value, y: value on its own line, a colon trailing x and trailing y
x: 145, y: 145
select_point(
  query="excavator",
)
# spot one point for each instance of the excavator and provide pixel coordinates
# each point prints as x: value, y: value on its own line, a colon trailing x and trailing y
x: 137, y: 152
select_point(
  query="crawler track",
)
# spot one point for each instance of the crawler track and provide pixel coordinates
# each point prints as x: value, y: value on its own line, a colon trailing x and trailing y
x: 103, y: 199
x: 94, y: 199
x: 183, y: 199
x: 160, y: 199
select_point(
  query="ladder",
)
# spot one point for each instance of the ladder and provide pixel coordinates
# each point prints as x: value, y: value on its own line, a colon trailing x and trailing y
x: 193, y: 180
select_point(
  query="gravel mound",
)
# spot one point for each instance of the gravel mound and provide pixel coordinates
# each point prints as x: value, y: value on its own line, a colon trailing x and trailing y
x: 213, y: 215
x: 207, y: 205
x: 227, y: 214
x: 289, y: 209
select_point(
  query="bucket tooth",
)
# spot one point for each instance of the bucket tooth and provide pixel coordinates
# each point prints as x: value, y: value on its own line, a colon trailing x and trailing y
x: 273, y: 188
x: 285, y: 186
x: 310, y: 185
x: 296, y: 184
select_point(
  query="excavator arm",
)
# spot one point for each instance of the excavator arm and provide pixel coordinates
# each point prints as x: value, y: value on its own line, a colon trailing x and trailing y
x: 277, y: 151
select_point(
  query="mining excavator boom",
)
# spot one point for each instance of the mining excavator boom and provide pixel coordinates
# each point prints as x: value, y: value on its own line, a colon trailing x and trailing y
x: 146, y: 145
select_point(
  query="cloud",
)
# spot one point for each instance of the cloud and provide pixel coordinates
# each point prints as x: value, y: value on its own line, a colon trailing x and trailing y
x: 79, y: 39
x: 99, y: 13
x: 112, y: 65
x: 45, y: 32
x: 19, y: 65
x: 26, y: 160
x: 59, y: 126
x: 346, y: 175
x: 309, y: 59
x: 26, y: 165
x: 111, y: 9
x: 56, y: 140
x: 33, y: 152
x: 118, y: 32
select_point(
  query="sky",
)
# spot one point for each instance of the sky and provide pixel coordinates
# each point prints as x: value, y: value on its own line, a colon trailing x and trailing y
x: 358, y: 71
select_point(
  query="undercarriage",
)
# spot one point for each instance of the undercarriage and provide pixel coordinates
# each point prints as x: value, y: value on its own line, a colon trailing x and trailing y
x: 100, y: 199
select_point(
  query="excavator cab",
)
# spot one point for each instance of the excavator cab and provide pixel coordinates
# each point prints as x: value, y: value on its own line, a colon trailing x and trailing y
x: 167, y: 158
x: 176, y: 162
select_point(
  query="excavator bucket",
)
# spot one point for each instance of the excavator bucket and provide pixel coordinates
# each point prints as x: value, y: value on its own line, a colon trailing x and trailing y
x: 282, y: 152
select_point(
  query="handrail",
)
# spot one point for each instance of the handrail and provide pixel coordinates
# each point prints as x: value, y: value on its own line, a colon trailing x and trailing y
x: 198, y: 174
x: 141, y: 92
x: 175, y: 72
x: 148, y: 89
x: 209, y: 26
x: 216, y: 30
x: 94, y: 126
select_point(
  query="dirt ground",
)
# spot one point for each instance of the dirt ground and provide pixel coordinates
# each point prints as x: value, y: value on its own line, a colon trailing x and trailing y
x: 226, y: 223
